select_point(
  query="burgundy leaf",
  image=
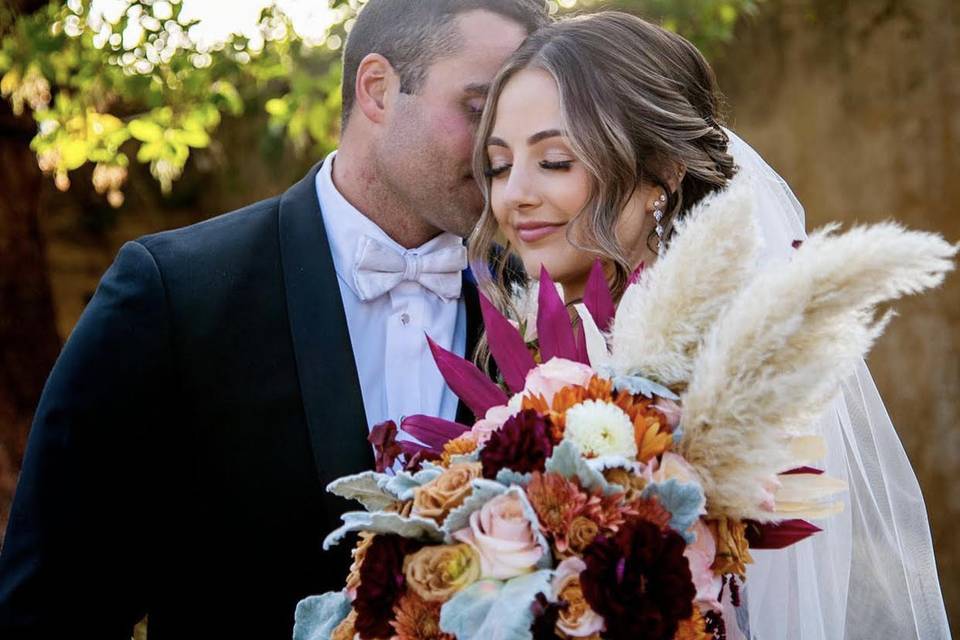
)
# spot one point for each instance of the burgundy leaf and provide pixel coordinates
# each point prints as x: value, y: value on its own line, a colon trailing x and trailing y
x: 553, y: 323
x: 802, y: 470
x: 582, y: 354
x: 467, y: 381
x: 637, y: 274
x: 779, y: 535
x: 415, y: 456
x: 597, y: 297
x: 383, y: 437
x: 507, y: 346
x: 433, y: 432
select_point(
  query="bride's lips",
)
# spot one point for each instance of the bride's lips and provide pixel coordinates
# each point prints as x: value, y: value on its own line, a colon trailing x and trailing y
x: 533, y: 231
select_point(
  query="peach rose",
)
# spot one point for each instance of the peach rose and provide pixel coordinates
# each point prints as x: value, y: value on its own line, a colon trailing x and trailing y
x: 555, y: 374
x: 577, y: 619
x: 700, y: 555
x: 436, y: 573
x: 501, y: 534
x: 446, y: 492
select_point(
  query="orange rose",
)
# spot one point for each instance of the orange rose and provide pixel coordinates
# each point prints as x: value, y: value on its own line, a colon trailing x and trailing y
x: 436, y: 573
x: 581, y: 533
x: 576, y: 619
x: 446, y: 492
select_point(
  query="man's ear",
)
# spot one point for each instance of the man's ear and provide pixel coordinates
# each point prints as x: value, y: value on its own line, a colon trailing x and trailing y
x: 375, y: 80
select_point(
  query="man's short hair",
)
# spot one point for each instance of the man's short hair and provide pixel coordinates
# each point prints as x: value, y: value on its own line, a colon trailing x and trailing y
x: 413, y: 34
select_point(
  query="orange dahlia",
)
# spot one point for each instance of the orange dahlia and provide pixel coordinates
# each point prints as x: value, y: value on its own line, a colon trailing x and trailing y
x: 557, y: 502
x: 460, y: 445
x: 649, y: 425
x: 417, y: 619
x: 597, y: 388
x: 651, y: 510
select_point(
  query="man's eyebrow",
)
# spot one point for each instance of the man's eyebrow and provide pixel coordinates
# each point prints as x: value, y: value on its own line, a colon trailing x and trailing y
x: 477, y: 89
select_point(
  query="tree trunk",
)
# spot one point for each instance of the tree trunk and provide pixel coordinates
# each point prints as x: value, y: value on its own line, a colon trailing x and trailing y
x: 28, y: 333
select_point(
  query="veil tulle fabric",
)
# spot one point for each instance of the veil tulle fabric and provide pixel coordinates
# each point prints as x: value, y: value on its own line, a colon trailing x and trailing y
x: 871, y: 573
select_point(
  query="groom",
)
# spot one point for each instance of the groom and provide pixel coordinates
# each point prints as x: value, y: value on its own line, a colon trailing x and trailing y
x: 224, y: 373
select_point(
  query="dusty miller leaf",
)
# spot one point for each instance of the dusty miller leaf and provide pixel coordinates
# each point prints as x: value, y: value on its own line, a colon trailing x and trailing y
x: 317, y: 616
x: 567, y: 461
x: 366, y: 488
x: 483, y: 491
x: 684, y: 500
x: 493, y: 609
x: 644, y: 386
x: 381, y: 522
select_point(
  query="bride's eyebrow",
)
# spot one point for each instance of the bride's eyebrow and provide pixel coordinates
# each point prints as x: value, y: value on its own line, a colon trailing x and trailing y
x: 544, y: 135
x: 540, y: 136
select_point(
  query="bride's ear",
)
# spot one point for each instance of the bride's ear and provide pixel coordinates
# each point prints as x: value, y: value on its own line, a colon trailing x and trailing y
x: 676, y: 178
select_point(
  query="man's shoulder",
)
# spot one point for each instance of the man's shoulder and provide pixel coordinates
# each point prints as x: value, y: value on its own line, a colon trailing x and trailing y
x: 239, y: 230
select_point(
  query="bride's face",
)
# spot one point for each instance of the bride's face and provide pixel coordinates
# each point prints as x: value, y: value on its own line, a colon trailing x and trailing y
x: 539, y: 186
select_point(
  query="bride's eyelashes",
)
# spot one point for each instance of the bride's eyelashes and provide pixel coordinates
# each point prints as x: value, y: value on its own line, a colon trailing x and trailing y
x: 557, y: 165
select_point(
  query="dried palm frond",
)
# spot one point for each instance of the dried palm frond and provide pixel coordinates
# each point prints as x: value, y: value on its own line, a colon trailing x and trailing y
x: 774, y: 361
x: 662, y: 319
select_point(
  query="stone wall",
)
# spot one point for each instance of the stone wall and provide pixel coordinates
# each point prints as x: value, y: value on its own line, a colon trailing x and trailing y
x: 857, y: 104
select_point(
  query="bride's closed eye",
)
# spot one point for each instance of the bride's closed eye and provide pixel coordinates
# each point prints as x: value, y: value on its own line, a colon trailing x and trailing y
x: 555, y: 165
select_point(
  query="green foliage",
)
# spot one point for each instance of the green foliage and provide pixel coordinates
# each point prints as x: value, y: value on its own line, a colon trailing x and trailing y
x: 141, y: 87
x: 708, y: 24
x: 104, y: 89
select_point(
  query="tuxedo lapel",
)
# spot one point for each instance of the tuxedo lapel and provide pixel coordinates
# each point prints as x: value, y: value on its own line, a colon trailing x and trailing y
x: 471, y: 301
x: 329, y: 385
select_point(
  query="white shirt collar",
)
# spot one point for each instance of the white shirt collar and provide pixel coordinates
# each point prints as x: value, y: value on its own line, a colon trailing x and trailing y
x: 345, y: 225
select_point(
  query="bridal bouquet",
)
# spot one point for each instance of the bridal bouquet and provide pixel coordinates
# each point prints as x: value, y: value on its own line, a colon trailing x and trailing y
x: 620, y: 474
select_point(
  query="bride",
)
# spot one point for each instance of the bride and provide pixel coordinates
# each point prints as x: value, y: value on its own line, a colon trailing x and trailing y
x: 599, y: 135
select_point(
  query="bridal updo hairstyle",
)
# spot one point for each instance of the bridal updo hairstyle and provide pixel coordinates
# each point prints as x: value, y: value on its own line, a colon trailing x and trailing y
x: 637, y: 102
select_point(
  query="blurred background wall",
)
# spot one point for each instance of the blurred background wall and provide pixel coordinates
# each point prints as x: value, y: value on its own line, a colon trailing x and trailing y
x: 855, y: 102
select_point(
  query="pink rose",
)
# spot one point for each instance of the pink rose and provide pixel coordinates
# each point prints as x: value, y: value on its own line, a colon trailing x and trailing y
x: 501, y: 534
x: 492, y: 421
x: 700, y: 555
x: 768, y: 491
x: 554, y: 375
x: 671, y: 466
x: 670, y: 410
x: 577, y: 619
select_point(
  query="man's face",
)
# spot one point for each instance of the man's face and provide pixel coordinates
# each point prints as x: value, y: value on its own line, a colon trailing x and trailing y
x: 425, y: 155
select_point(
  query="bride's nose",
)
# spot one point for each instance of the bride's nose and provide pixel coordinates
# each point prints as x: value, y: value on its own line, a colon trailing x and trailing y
x: 520, y: 192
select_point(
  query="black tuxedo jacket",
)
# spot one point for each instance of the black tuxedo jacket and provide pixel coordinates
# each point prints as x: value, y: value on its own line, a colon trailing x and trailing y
x: 178, y: 458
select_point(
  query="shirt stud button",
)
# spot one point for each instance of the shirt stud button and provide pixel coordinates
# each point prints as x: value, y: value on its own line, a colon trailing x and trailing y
x: 405, y: 319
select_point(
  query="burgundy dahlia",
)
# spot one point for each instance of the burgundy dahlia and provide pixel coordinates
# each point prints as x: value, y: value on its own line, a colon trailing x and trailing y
x: 381, y: 584
x: 639, y: 581
x: 522, y: 444
x: 545, y: 616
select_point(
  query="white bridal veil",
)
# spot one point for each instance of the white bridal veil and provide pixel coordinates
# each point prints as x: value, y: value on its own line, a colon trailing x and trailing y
x: 871, y: 572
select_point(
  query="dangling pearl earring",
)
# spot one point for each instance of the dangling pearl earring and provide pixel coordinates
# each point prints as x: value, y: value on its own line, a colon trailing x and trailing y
x: 658, y: 206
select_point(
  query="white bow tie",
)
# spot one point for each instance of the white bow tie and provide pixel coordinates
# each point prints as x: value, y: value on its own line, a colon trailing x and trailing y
x: 379, y: 268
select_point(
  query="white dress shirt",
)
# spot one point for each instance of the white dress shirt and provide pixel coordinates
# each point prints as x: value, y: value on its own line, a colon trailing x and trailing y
x: 398, y: 376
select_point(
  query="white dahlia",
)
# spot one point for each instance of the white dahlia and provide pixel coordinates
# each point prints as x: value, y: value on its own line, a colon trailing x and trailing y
x: 600, y: 429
